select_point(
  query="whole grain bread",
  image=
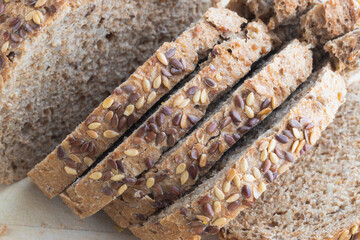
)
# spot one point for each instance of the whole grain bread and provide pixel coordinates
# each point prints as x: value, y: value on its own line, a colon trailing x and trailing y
x: 319, y: 197
x: 345, y: 51
x: 61, y: 58
x: 117, y: 113
x: 247, y: 106
x: 229, y: 62
x: 292, y: 129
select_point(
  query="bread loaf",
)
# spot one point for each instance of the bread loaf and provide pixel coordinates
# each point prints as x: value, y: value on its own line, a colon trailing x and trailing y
x: 231, y: 61
x: 245, y: 177
x: 318, y: 197
x: 61, y: 58
x: 248, y: 105
x: 130, y: 101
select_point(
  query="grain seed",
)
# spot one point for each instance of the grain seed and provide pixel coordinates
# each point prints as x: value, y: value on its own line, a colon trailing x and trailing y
x: 110, y: 134
x: 92, y: 134
x: 150, y: 182
x: 294, y: 146
x: 40, y: 3
x: 129, y: 110
x: 283, y: 168
x: 231, y: 175
x: 296, y: 133
x: 265, y: 111
x: 312, y: 138
x: 93, y: 126
x: 217, y: 206
x: 220, y: 222
x: 219, y: 194
x: 263, y: 146
x: 178, y: 100
x: 184, y: 103
x: 184, y: 177
x: 354, y: 229
x: 165, y: 82
x: 122, y: 189
x: 272, y: 145
x: 222, y: 147
x: 131, y: 152
x: 244, y: 166
x: 249, y: 112
x: 157, y: 82
x: 203, y: 160
x: 262, y: 187
x: 264, y: 155
x: 5, y: 46
x: 197, y: 96
x: 218, y: 77
x: 250, y: 99
x: 273, y: 102
x: 70, y: 171
x: 239, y: 102
x: 146, y: 85
x: 162, y: 58
x: 203, y: 96
x: 301, y: 145
x: 95, y: 175
x: 237, y: 181
x: 345, y: 235
x: 289, y: 157
x: 75, y: 158
x: 274, y: 158
x: 256, y: 173
x: 180, y: 168
x: 117, y: 177
x: 183, y: 121
x: 38, y: 17
x: 294, y: 123
x: 226, y: 187
x: 233, y: 198
x: 88, y: 161
x: 29, y: 16
x: 249, y: 178
x: 151, y: 97
x: 140, y: 102
x: 203, y: 218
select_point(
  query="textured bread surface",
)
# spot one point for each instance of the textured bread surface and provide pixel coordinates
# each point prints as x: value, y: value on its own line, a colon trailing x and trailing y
x: 60, y: 58
x: 177, y: 115
x: 345, y: 51
x: 329, y: 20
x: 203, y: 148
x: 128, y: 103
x: 319, y: 197
x: 245, y: 176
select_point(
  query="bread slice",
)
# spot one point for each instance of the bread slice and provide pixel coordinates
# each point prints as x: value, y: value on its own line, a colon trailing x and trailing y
x: 329, y: 20
x: 235, y: 187
x: 345, y: 51
x: 319, y: 197
x: 60, y: 63
x: 231, y: 61
x: 248, y: 105
x: 131, y: 100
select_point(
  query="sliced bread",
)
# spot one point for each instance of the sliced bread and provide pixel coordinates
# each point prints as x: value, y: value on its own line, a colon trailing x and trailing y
x: 230, y: 61
x: 117, y: 113
x: 319, y: 197
x: 292, y: 129
x: 61, y: 58
x: 248, y: 105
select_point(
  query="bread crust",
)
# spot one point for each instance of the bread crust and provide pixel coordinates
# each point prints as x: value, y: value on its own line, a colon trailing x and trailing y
x: 190, y: 216
x: 273, y: 83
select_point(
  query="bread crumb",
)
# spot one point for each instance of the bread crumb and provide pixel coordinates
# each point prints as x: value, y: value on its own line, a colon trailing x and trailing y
x: 3, y: 229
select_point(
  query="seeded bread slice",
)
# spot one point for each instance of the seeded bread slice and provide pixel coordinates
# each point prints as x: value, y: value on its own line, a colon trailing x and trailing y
x: 114, y: 174
x: 253, y: 101
x: 60, y: 58
x: 234, y: 188
x: 169, y: 65
x: 329, y: 20
x: 345, y: 51
x: 319, y: 197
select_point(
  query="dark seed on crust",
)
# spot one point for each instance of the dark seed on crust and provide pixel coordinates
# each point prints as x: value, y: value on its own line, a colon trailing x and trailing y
x: 160, y: 118
x: 275, y: 174
x: 234, y: 205
x: 252, y: 122
x: 149, y: 162
x: 282, y: 138
x: 265, y: 103
x: 70, y: 139
x: 204, y: 199
x: 167, y: 110
x: 107, y: 175
x: 115, y: 185
x: 211, y: 127
x: 6, y: 35
x: 71, y: 163
x: 239, y: 102
x: 176, y: 158
x: 183, y: 63
x: 77, y: 143
x: 193, y: 171
x: 176, y: 119
x: 229, y: 140
x: 209, y: 82
x: 212, y: 67
x: 160, y: 177
x: 248, y: 203
x: 194, y: 154
x: 289, y: 157
x: 175, y: 71
x: 114, y: 106
x: 269, y: 176
x: 176, y: 63
x: 294, y: 123
x: 141, y: 217
x: 158, y: 189
x: 198, y: 230
x: 245, y: 191
x: 165, y: 72
x: 52, y: 9
x: 130, y: 120
x: 60, y: 152
x: 309, y: 126
x: 306, y: 147
x: 2, y: 7
x: 226, y: 122
x: 85, y: 147
x: 235, y: 116
x: 122, y: 123
x: 2, y: 62
x: 208, y: 210
x: 193, y: 119
x: 128, y: 88
x: 170, y: 53
x: 90, y: 119
x: 14, y: 21
x: 215, y: 52
x: 150, y: 137
x: 17, y: 26
x: 212, y: 230
x: 214, y: 147
x: 154, y: 128
x: 183, y: 211
x: 171, y: 131
x: 75, y: 150
x: 22, y: 33
x: 175, y: 191
x: 266, y: 165
x: 114, y: 121
x: 192, y: 90
x: 141, y: 132
x: 92, y: 148
x: 236, y: 137
x: 120, y: 166
x: 134, y: 97
x: 139, y: 182
x: 279, y: 153
x: 107, y: 191
x: 288, y: 134
x: 129, y: 181
x: 118, y: 91
x: 171, y: 140
x: 112, y: 164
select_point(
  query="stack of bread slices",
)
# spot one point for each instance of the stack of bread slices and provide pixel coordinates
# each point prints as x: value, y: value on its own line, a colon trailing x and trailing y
x: 224, y: 130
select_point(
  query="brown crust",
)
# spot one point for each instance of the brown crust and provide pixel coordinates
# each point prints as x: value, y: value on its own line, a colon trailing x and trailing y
x: 84, y: 145
x: 161, y: 130
x: 138, y: 204
x: 318, y: 107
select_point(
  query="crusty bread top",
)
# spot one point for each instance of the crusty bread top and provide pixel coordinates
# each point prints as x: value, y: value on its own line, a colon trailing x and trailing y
x: 319, y: 197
